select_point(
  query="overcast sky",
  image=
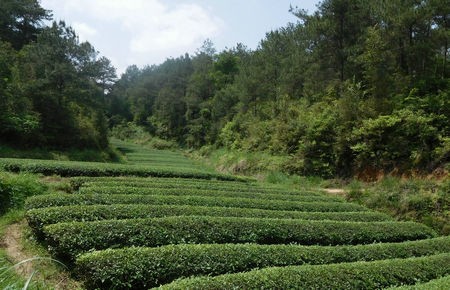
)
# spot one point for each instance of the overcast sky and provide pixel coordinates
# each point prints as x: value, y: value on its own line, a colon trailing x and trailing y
x: 146, y: 32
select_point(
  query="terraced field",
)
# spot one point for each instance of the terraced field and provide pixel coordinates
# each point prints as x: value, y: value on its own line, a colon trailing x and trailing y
x: 196, y: 229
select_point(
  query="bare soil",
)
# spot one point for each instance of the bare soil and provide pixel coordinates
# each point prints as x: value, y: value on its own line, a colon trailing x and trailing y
x: 335, y: 191
x: 12, y: 244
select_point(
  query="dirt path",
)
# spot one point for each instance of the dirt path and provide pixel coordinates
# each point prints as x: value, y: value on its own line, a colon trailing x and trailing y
x: 14, y: 250
x: 12, y: 242
x: 335, y: 191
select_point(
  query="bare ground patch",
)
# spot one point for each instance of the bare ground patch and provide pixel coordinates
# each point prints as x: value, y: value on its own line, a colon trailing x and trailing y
x: 335, y: 191
x: 14, y: 249
x: 27, y: 264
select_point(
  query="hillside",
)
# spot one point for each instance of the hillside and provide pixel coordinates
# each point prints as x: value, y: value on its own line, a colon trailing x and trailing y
x: 113, y: 229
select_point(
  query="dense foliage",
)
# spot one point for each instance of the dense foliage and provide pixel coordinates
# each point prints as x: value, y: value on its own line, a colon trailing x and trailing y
x: 205, y: 192
x: 357, y: 275
x: 39, y: 217
x: 425, y: 201
x: 15, y: 188
x: 72, y: 168
x: 435, y: 284
x: 86, y: 199
x: 150, y: 267
x: 134, y: 232
x: 67, y: 240
x: 52, y: 86
x: 357, y: 86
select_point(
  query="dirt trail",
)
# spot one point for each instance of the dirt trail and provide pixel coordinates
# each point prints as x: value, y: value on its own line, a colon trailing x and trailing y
x: 12, y: 244
x: 335, y: 191
x: 14, y: 250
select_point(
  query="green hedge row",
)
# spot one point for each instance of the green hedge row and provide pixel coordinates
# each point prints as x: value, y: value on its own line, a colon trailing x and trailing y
x: 193, y: 184
x: 67, y: 240
x: 74, y: 199
x: 141, y: 268
x: 182, y: 191
x: 38, y: 218
x: 248, y: 186
x: 356, y: 275
x: 72, y: 168
x: 436, y: 284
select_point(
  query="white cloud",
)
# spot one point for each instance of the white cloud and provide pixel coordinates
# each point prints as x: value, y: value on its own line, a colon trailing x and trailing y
x: 147, y: 30
x: 84, y: 31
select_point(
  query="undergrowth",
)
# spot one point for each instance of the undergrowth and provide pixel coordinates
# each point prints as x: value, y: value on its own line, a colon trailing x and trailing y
x: 133, y: 133
x: 423, y: 200
x: 14, y: 189
x: 420, y: 199
x: 109, y: 154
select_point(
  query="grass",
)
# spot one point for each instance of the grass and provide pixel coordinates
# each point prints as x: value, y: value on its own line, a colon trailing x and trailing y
x: 255, y: 164
x: 420, y: 199
x: 136, y: 134
x: 14, y: 189
x: 423, y: 200
x: 9, y: 279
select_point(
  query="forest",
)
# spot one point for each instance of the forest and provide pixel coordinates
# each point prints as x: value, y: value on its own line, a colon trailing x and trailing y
x: 357, y: 87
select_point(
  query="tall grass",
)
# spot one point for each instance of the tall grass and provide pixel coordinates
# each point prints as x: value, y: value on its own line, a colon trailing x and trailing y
x: 15, y: 188
x: 423, y: 200
x: 9, y: 279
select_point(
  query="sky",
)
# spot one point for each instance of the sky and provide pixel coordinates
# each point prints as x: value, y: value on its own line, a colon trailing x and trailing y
x: 146, y: 32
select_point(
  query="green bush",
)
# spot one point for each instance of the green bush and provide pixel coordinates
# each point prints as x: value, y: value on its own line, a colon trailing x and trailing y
x: 243, y: 185
x: 134, y: 133
x: 70, y: 168
x: 182, y: 191
x: 316, y: 153
x: 160, y: 144
x: 141, y: 268
x: 422, y: 200
x: 164, y: 182
x: 15, y: 188
x: 86, y: 199
x: 435, y: 284
x: 403, y: 140
x: 67, y: 240
x: 356, y: 275
x: 248, y: 186
x: 38, y: 218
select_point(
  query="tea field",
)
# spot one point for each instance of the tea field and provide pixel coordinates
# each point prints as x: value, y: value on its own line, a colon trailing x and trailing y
x: 161, y: 220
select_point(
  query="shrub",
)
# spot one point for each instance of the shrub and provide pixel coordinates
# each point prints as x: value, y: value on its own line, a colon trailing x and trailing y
x: 38, y: 218
x: 140, y: 268
x: 67, y: 240
x: 162, y: 182
x: 422, y: 200
x: 15, y: 188
x: 86, y: 199
x: 182, y: 191
x: 356, y: 275
x: 403, y: 140
x: 435, y: 284
x: 241, y: 185
x: 70, y: 168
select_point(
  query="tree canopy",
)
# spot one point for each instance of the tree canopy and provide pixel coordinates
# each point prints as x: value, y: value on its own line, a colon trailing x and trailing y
x: 357, y: 86
x: 53, y: 86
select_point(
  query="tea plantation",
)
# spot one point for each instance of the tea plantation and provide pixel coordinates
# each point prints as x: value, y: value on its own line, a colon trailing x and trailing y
x: 163, y: 221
